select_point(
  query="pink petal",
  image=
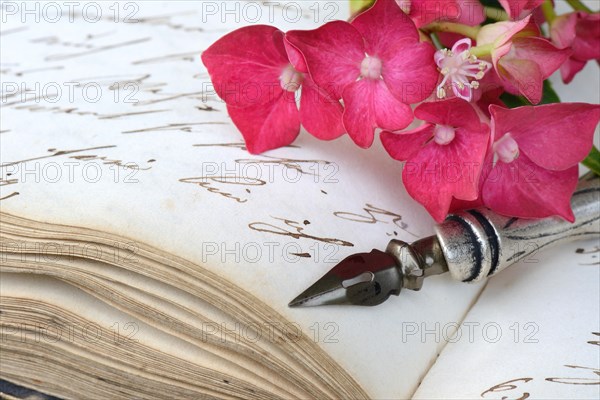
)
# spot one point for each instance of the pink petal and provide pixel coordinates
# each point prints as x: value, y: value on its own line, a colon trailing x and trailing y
x: 423, y: 12
x: 321, y: 115
x: 489, y: 97
x: 521, y: 77
x: 268, y: 126
x: 490, y: 89
x: 471, y: 13
x: 538, y: 16
x: 570, y: 68
x: 548, y: 57
x: 562, y: 30
x: 466, y: 12
x: 369, y: 105
x: 500, y: 33
x: 296, y: 58
x: 515, y: 8
x: 460, y: 205
x: 523, y: 189
x: 383, y: 25
x: 467, y: 152
x: 403, y: 146
x: 423, y: 182
x: 448, y: 39
x: 437, y: 174
x: 461, y: 45
x: 554, y: 136
x: 453, y: 112
x: 587, y: 43
x: 464, y: 93
x: 333, y: 54
x: 500, y: 52
x: 245, y: 65
x: 410, y: 71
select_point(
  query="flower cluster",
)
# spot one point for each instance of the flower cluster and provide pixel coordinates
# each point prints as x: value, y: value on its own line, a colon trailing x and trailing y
x: 398, y: 63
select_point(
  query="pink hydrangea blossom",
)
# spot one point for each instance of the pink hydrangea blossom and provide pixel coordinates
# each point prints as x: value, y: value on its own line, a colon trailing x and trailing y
x: 367, y: 74
x: 444, y: 156
x: 580, y: 32
x: 521, y: 60
x: 376, y: 65
x: 461, y: 70
x: 536, y: 151
x: 423, y: 12
x: 251, y: 72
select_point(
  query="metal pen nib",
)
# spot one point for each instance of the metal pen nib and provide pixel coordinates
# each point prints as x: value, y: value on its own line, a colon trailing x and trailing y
x: 368, y: 279
x: 472, y: 245
x: 361, y: 279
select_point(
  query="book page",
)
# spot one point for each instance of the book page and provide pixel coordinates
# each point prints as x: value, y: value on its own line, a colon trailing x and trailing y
x: 533, y: 333
x: 109, y: 122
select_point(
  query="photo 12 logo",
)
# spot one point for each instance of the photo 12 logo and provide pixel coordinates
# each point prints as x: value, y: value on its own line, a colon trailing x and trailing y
x: 452, y: 332
x: 68, y: 92
x: 54, y: 12
x: 120, y: 333
x: 270, y: 331
x: 269, y: 252
x: 253, y: 12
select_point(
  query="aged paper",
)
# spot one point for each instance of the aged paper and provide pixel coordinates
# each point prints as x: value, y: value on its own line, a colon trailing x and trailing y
x: 109, y: 121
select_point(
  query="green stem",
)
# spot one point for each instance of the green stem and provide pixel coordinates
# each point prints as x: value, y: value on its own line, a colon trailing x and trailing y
x: 496, y: 14
x: 579, y: 6
x: 468, y: 31
x: 436, y: 41
x: 548, y: 10
x: 482, y: 51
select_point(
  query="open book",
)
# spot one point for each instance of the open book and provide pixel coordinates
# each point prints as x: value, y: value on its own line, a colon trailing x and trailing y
x: 146, y: 254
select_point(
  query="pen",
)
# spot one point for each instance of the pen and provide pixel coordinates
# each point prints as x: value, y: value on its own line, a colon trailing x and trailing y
x: 472, y: 245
